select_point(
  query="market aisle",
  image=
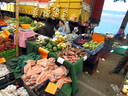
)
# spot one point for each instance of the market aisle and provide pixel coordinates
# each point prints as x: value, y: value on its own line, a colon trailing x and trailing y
x: 100, y: 83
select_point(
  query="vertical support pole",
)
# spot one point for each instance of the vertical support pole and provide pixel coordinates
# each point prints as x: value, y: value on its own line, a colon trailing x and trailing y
x: 124, y: 22
x: 17, y: 27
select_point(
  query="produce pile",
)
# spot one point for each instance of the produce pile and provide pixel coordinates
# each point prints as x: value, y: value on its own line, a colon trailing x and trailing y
x: 48, y: 44
x: 71, y: 54
x: 12, y: 90
x: 11, y: 20
x: 35, y: 25
x: 6, y: 44
x: 25, y: 20
x: 56, y: 12
x: 69, y: 37
x: 47, y: 12
x: 17, y: 64
x: 81, y: 41
x: 60, y: 40
x: 124, y: 89
x: 2, y: 23
x: 37, y: 72
x: 11, y: 29
x: 91, y: 45
x: 3, y: 70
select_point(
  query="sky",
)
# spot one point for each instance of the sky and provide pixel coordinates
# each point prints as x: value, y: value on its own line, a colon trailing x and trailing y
x: 115, y: 6
x: 112, y: 16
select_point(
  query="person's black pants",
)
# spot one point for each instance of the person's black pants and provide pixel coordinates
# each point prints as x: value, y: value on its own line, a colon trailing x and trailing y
x: 121, y: 64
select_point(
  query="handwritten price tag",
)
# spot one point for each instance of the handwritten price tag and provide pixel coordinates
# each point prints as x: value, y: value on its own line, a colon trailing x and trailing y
x: 60, y: 60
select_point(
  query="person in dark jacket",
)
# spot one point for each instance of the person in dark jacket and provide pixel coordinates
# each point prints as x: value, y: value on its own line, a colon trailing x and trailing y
x: 122, y: 63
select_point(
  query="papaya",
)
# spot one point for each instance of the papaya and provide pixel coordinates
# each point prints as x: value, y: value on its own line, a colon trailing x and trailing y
x: 43, y: 52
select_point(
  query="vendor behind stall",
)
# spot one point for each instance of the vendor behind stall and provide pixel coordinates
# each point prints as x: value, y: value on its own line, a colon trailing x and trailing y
x: 62, y: 27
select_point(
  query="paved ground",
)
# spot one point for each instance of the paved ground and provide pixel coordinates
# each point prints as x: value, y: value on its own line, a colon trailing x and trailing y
x: 100, y: 83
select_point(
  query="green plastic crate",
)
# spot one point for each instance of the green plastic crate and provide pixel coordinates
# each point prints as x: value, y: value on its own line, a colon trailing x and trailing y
x: 66, y: 90
x: 77, y: 66
x: 75, y: 69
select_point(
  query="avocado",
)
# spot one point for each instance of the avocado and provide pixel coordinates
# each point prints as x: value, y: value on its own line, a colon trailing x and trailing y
x: 54, y: 49
x: 49, y: 46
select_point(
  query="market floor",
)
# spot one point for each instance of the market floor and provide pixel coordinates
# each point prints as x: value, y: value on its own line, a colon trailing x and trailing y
x: 99, y: 84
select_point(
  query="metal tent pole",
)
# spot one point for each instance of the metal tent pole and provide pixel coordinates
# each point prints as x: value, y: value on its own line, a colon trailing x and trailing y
x: 17, y: 27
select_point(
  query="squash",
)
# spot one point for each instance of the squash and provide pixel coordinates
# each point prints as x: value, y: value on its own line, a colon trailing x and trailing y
x: 2, y: 60
x: 25, y: 26
x: 43, y: 52
x: 5, y: 34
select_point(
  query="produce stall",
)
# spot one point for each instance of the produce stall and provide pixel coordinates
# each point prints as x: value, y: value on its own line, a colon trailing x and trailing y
x: 71, y: 10
x: 60, y: 42
x: 15, y: 64
x: 52, y: 64
x: 7, y: 47
x: 59, y: 47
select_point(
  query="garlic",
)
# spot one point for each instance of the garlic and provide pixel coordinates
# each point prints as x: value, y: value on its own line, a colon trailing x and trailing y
x: 65, y: 14
x: 56, y: 12
x: 3, y: 70
x: 12, y: 90
x: 47, y: 12
x: 35, y: 12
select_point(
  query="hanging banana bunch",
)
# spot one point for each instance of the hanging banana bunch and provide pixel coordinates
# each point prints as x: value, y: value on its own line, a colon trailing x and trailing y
x: 35, y: 12
x: 56, y: 12
x: 65, y: 14
x: 47, y: 12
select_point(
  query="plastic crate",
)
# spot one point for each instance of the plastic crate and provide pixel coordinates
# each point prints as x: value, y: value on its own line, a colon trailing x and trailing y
x: 93, y: 52
x: 64, y: 91
x: 76, y: 66
x: 75, y: 70
x: 9, y: 53
x: 18, y: 82
x: 3, y: 26
x: 80, y: 37
x: 98, y: 37
x: 7, y: 78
